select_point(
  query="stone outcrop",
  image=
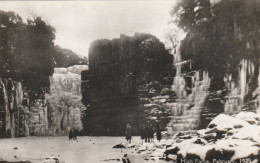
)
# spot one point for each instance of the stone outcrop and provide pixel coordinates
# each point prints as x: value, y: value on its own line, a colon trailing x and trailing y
x: 54, y: 115
x: 37, y: 120
x: 13, y: 115
x: 123, y: 77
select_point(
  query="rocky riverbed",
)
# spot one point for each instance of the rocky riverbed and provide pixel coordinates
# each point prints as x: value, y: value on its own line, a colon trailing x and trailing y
x: 226, y: 139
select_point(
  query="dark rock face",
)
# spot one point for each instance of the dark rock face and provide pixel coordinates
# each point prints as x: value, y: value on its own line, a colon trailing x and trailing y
x: 124, y: 74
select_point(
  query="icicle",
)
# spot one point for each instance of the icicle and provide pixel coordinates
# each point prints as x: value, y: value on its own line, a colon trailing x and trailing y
x: 230, y: 77
x: 243, y: 77
x: 251, y: 68
x: 247, y: 45
x: 258, y: 98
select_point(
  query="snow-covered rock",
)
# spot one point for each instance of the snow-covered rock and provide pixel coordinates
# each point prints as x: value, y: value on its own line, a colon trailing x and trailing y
x: 120, y: 145
x: 172, y: 157
x: 224, y: 122
x: 250, y: 117
x: 251, y: 132
x: 227, y: 138
x: 51, y: 160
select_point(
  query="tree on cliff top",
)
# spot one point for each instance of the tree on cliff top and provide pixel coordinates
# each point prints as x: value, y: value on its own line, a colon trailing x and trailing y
x: 10, y: 25
x: 36, y: 56
x: 26, y: 52
x: 65, y: 57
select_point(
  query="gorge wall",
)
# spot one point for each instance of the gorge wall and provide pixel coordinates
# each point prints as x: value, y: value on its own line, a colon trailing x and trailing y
x: 125, y: 76
x: 13, y: 114
x: 194, y: 105
x: 58, y: 112
x: 27, y: 60
x: 218, y: 59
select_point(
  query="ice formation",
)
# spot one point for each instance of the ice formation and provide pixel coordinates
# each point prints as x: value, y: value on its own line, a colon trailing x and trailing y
x: 64, y: 101
x: 186, y: 109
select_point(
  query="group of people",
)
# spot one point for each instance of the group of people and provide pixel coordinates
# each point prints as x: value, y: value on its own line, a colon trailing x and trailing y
x: 147, y: 133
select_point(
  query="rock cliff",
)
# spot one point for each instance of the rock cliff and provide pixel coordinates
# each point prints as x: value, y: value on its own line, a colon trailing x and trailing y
x: 13, y: 115
x: 218, y: 62
x: 123, y: 77
x: 54, y: 115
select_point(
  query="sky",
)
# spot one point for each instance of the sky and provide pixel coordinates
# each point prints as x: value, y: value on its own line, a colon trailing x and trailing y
x: 78, y: 23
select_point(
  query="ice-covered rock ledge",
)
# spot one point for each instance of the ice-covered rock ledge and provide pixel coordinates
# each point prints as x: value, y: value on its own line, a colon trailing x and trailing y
x: 226, y: 139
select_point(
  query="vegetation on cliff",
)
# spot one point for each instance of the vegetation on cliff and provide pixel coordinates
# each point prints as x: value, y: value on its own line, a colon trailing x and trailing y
x: 66, y: 57
x: 28, y: 54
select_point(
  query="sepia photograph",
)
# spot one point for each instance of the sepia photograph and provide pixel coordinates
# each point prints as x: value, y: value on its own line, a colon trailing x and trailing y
x: 130, y: 81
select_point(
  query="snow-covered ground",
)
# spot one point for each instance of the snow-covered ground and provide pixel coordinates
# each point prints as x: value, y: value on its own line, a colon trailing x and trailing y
x: 85, y: 150
x: 227, y: 138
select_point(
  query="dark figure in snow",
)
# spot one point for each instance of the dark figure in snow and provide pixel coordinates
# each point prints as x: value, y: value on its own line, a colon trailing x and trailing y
x: 150, y: 134
x: 142, y: 133
x: 72, y: 134
x: 128, y: 133
x: 159, y: 135
x: 125, y: 159
x: 146, y: 134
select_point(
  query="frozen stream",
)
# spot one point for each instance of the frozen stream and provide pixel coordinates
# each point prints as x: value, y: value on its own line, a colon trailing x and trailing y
x: 86, y: 150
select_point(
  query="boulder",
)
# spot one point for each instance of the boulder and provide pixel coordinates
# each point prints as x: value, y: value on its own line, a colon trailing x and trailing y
x: 210, y: 137
x: 121, y: 145
x: 217, y: 131
x: 249, y: 117
x: 223, y: 154
x: 224, y: 123
x: 251, y: 132
x: 171, y: 150
x: 188, y: 158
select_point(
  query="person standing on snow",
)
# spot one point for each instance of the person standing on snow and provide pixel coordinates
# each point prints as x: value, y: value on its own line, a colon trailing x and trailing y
x: 128, y: 133
x: 159, y: 135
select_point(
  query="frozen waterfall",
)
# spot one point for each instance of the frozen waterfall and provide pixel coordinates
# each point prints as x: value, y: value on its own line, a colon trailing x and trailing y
x: 190, y: 98
x: 64, y: 100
